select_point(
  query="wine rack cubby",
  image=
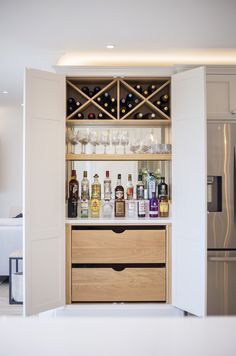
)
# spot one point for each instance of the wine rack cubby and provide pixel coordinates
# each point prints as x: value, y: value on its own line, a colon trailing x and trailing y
x: 120, y: 100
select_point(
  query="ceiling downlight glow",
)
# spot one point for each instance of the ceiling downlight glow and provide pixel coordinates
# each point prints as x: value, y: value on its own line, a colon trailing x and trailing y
x: 167, y: 58
x: 110, y: 46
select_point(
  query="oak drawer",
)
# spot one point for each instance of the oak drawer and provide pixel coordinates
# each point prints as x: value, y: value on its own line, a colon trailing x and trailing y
x: 109, y: 285
x: 129, y: 246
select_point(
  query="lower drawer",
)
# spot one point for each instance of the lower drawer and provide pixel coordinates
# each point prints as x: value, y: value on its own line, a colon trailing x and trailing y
x: 109, y: 285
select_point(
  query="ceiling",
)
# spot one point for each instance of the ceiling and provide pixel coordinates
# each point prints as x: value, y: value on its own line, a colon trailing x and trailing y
x: 37, y: 33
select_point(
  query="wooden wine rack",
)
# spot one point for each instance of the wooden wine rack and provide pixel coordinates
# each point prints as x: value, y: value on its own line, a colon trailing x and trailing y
x: 119, y: 86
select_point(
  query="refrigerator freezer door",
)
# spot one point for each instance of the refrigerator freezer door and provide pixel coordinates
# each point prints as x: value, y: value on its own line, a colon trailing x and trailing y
x: 221, y: 283
x: 221, y: 146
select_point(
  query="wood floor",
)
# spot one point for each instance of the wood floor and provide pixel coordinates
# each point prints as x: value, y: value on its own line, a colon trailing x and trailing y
x: 5, y: 307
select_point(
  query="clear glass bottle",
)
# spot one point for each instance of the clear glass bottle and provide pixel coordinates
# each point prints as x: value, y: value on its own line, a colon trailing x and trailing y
x: 131, y: 208
x: 151, y: 185
x: 107, y: 209
x: 84, y: 208
x: 107, y: 187
x: 85, y: 187
x: 153, y: 206
x: 130, y: 188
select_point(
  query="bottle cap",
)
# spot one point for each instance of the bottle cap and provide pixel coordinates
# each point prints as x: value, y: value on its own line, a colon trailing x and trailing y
x: 107, y: 174
x: 73, y: 173
x: 129, y: 176
x: 85, y: 174
x: 119, y: 176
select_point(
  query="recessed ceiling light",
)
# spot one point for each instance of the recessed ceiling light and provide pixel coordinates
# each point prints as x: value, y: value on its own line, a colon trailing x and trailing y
x: 4, y: 92
x: 110, y: 46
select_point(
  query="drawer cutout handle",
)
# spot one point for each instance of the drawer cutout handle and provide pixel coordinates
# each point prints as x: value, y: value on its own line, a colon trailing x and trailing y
x: 118, y: 268
x: 118, y: 229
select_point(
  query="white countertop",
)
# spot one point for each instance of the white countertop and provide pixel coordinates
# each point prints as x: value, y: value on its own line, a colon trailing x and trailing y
x: 119, y: 221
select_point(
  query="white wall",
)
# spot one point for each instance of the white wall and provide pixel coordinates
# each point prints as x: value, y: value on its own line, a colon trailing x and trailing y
x: 11, y: 137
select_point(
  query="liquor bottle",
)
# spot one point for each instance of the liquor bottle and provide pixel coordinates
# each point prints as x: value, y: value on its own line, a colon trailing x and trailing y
x: 73, y: 196
x: 138, y: 88
x: 153, y: 206
x: 119, y: 199
x: 138, y: 116
x: 151, y: 185
x: 96, y: 188
x: 163, y: 206
x: 151, y: 88
x: 80, y: 116
x: 85, y: 186
x: 107, y: 187
x: 107, y: 209
x: 162, y: 187
x: 131, y: 211
x: 85, y: 90
x: 73, y: 186
x: 91, y: 116
x: 141, y: 208
x: 96, y: 90
x: 84, y: 208
x: 150, y: 116
x: 140, y: 188
x: 72, y: 207
x: 130, y: 188
x: 95, y: 198
x: 164, y: 98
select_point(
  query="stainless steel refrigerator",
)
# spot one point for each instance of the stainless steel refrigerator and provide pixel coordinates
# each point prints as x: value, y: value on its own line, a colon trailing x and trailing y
x: 221, y: 196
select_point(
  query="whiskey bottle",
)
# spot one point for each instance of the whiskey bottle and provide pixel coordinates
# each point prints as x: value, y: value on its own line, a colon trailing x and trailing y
x: 107, y: 187
x: 130, y: 188
x: 163, y: 206
x: 85, y: 187
x: 153, y: 206
x: 119, y: 199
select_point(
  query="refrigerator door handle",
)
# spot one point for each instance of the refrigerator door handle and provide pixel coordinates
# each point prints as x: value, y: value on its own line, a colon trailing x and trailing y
x: 222, y: 259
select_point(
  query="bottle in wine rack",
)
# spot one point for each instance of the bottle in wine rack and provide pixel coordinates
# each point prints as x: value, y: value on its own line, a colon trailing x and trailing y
x: 164, y: 98
x: 85, y: 90
x: 80, y: 116
x: 78, y: 104
x: 106, y: 104
x: 136, y: 101
x: 107, y: 96
x: 91, y: 94
x: 151, y: 88
x: 138, y: 88
x: 164, y: 108
x: 71, y: 101
x: 139, y: 115
x: 145, y: 93
x: 113, y: 110
x: 130, y: 106
x: 91, y: 116
x: 158, y: 103
x: 150, y: 116
x: 122, y: 101
x: 96, y: 90
x: 129, y: 97
x: 113, y: 101
x: 70, y: 109
x: 99, y: 100
x: 123, y: 110
x: 102, y: 116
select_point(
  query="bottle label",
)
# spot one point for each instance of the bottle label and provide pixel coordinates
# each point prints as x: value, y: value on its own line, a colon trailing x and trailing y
x: 151, y: 188
x: 120, y: 208
x: 84, y: 208
x: 140, y: 192
x: 107, y: 191
x: 164, y: 207
x: 119, y: 194
x: 141, y: 207
x: 130, y: 192
x: 95, y: 205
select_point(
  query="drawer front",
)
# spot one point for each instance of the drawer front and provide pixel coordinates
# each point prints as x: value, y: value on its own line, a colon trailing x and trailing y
x: 108, y: 285
x: 130, y: 246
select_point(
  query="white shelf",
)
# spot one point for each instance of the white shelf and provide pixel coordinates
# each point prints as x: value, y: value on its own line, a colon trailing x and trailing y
x: 119, y: 221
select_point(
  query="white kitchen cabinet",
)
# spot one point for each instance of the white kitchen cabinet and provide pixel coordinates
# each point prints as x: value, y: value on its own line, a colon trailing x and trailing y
x: 221, y: 97
x: 44, y: 189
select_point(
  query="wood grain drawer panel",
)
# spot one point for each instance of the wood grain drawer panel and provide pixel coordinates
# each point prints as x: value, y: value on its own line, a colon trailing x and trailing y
x: 130, y: 246
x: 107, y: 285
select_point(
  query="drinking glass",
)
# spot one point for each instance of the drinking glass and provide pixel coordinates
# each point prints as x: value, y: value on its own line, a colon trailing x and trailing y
x: 83, y: 138
x: 105, y: 139
x: 134, y: 145
x: 115, y: 140
x: 124, y: 139
x: 94, y: 140
x: 71, y: 138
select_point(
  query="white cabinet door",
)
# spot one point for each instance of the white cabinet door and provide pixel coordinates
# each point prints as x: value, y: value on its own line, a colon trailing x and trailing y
x: 189, y: 191
x: 44, y: 186
x: 221, y: 97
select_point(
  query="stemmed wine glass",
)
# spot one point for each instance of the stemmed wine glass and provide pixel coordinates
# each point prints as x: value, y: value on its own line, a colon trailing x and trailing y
x: 105, y: 139
x: 134, y: 145
x: 71, y: 137
x: 94, y: 140
x: 115, y: 140
x: 83, y: 138
x: 124, y: 139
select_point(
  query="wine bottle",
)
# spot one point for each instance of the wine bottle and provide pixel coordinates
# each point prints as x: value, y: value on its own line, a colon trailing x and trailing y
x: 85, y: 90
x: 138, y: 88
x: 72, y: 208
x: 122, y: 101
x: 149, y: 116
x: 107, y: 96
x: 102, y: 116
x: 130, y: 188
x: 112, y: 110
x: 96, y: 90
x: 70, y: 109
x: 138, y: 116
x: 164, y: 98
x: 164, y: 107
x: 106, y: 104
x: 140, y: 188
x: 73, y: 186
x: 158, y: 103
x: 78, y: 104
x: 136, y: 101
x: 71, y: 101
x: 130, y: 106
x: 107, y: 187
x: 145, y: 93
x: 113, y: 101
x: 80, y: 116
x: 151, y: 88
x: 91, y: 116
x: 99, y: 100
x: 91, y: 94
x: 129, y: 97
x: 123, y: 110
